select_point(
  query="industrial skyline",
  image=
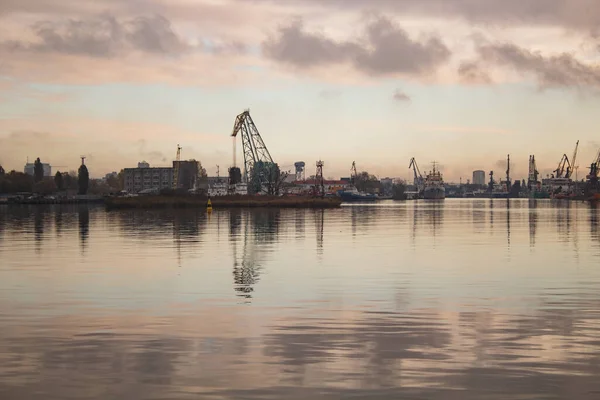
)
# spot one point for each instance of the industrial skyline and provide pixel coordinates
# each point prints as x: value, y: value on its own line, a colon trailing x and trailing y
x: 377, y: 82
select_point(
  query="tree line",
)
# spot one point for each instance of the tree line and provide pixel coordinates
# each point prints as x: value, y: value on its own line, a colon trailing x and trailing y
x: 368, y: 183
x: 20, y: 182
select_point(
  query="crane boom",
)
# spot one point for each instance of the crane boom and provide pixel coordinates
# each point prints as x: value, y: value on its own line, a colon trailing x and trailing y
x: 418, y: 178
x: 562, y: 165
x: 572, y: 165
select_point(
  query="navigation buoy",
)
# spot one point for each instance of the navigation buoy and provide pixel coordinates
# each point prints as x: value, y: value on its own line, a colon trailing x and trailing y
x: 208, y: 206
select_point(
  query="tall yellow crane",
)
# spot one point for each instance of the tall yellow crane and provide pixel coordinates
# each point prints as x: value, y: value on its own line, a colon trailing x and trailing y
x: 572, y: 167
x: 176, y: 169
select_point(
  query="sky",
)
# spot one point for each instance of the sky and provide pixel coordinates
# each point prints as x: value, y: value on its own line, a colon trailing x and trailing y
x: 460, y: 82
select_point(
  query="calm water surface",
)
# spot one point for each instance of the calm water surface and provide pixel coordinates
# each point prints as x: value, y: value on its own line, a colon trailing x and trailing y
x: 462, y: 299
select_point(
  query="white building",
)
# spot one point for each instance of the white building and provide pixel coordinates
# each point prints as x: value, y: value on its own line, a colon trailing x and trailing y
x: 30, y: 169
x: 479, y: 177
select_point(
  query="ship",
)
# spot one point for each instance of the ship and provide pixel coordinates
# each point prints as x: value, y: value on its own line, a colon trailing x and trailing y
x: 433, y: 188
x: 352, y: 194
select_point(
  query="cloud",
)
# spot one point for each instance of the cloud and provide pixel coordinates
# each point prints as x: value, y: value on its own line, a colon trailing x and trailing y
x: 572, y: 14
x: 463, y: 130
x: 502, y: 164
x: 113, y: 144
x: 151, y: 156
x: 473, y: 73
x: 384, y: 49
x: 391, y: 51
x: 561, y: 70
x: 328, y: 94
x: 103, y: 36
x: 401, y: 96
x: 302, y: 49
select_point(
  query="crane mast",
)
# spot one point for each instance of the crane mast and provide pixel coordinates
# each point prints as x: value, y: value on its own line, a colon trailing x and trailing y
x: 353, y: 173
x: 176, y: 169
x: 508, y: 182
x: 319, y: 188
x: 418, y: 178
x: 533, y: 173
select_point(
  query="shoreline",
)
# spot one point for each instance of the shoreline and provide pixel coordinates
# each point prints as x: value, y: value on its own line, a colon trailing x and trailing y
x: 162, y: 201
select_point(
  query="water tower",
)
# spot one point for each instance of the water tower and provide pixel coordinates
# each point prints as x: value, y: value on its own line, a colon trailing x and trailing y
x: 300, y: 176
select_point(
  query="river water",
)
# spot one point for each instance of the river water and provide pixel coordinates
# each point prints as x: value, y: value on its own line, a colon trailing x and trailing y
x: 459, y: 299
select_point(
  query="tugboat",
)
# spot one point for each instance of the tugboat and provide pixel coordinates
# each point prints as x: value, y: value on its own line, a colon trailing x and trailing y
x: 351, y: 193
x: 434, y: 185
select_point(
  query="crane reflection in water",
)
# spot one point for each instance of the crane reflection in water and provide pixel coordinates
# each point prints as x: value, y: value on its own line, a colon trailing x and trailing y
x: 260, y: 231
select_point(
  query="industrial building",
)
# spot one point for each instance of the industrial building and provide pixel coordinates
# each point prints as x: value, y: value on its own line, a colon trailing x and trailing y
x: 479, y: 177
x: 188, y: 174
x: 30, y: 169
x: 145, y: 178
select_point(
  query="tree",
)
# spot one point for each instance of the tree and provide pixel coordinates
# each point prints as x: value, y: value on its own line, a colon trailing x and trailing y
x: 69, y: 180
x: 399, y: 191
x: 365, y: 182
x: 96, y: 186
x: 83, y: 179
x: 113, y: 183
x: 15, y: 182
x: 58, y: 180
x: 38, y: 170
x: 45, y: 186
x: 121, y: 178
x: 201, y: 171
x: 1, y: 171
x: 266, y: 177
x: 275, y: 181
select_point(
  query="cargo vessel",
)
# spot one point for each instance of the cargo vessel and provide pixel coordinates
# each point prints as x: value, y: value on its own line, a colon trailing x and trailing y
x: 433, y: 187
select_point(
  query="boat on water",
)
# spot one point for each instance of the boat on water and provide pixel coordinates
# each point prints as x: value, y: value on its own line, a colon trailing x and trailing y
x: 499, y: 190
x: 433, y: 187
x: 352, y: 194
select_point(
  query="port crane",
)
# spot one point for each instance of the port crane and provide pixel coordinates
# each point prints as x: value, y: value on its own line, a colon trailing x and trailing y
x: 572, y: 166
x: 319, y: 188
x: 257, y: 159
x: 492, y: 182
x: 562, y: 165
x: 508, y: 181
x: 592, y: 187
x: 593, y: 175
x: 532, y: 179
x: 565, y: 166
x: 418, y: 178
x: 176, y: 169
x: 353, y: 173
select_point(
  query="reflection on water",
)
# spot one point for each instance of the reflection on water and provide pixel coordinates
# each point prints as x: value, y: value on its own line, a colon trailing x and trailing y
x: 458, y: 299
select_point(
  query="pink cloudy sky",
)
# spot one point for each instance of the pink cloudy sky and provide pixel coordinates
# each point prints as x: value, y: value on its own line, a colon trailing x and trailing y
x: 463, y: 82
